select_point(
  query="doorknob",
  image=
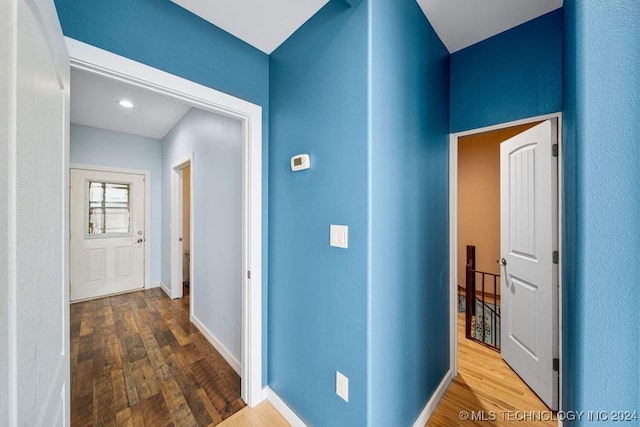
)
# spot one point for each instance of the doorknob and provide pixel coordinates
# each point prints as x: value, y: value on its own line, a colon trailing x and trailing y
x: 140, y: 241
x: 502, y: 262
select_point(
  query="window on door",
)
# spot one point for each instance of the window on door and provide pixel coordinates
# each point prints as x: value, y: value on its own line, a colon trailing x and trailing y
x: 109, y: 208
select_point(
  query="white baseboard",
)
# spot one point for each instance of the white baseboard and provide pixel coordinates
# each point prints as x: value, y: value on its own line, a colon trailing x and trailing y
x: 226, y: 354
x: 435, y: 399
x: 293, y: 419
x: 151, y: 285
x: 165, y: 289
x: 283, y: 408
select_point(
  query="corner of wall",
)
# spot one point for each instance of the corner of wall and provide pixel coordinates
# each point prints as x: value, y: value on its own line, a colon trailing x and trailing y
x: 284, y: 409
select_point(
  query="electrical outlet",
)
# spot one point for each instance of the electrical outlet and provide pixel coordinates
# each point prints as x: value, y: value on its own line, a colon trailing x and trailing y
x: 342, y: 386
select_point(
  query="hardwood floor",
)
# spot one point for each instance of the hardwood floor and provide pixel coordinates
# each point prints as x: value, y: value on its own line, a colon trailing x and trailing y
x: 136, y: 360
x: 486, y: 383
x: 263, y: 415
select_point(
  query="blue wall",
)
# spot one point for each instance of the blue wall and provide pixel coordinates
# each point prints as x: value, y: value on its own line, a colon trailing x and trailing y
x: 569, y: 206
x: 163, y: 35
x: 409, y: 293
x: 514, y: 75
x: 602, y: 127
x: 92, y: 146
x: 318, y: 293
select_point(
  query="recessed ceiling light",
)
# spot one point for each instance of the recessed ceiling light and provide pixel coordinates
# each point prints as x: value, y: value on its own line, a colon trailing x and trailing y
x: 125, y: 103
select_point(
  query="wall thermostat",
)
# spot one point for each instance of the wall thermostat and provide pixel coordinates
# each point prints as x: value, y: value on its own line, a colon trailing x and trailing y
x: 300, y: 162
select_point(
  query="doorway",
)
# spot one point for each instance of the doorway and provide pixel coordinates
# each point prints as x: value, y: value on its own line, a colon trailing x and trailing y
x: 108, y: 65
x: 182, y: 256
x: 186, y: 228
x: 475, y: 222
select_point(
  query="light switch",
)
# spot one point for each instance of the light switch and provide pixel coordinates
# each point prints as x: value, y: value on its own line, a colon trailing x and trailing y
x: 339, y: 236
x: 342, y: 386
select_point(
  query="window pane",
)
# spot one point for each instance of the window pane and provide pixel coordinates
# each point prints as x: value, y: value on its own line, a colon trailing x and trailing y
x: 117, y: 220
x: 117, y: 193
x: 96, y: 221
x: 108, y: 208
x: 96, y: 190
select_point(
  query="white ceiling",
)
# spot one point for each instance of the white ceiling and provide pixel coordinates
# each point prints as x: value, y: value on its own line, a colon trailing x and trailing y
x: 94, y: 102
x: 462, y: 23
x: 264, y: 24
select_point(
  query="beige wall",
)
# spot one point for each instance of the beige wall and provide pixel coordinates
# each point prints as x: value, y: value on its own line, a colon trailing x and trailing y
x: 479, y: 198
x: 186, y: 203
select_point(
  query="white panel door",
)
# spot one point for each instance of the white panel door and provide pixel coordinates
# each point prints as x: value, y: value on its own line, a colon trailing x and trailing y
x: 107, y: 233
x: 34, y: 304
x: 528, y: 238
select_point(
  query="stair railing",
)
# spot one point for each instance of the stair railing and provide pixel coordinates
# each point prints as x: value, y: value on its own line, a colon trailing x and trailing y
x: 481, y: 323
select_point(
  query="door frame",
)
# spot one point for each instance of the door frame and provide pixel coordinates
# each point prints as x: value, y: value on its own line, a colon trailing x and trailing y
x: 453, y: 235
x: 177, y: 255
x: 147, y: 212
x: 99, y: 62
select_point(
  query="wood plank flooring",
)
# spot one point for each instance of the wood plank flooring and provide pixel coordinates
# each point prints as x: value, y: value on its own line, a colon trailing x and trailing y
x: 137, y: 360
x: 263, y: 415
x: 486, y: 383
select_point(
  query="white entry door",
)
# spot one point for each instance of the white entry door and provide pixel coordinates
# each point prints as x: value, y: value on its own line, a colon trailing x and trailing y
x: 529, y: 276
x: 107, y: 233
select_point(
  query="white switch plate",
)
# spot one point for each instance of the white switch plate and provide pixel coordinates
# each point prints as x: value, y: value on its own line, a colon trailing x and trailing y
x: 342, y: 386
x: 339, y: 236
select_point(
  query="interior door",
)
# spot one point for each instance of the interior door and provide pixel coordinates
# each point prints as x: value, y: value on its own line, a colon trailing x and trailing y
x: 107, y: 233
x: 34, y: 123
x: 528, y: 239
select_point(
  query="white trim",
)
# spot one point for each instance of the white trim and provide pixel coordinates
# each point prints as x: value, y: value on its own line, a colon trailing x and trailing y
x: 217, y: 344
x: 99, y: 62
x: 165, y: 289
x: 435, y: 399
x: 11, y: 305
x: 177, y: 248
x: 508, y: 124
x: 560, y: 259
x: 147, y: 209
x: 284, y: 409
x: 453, y: 254
x: 453, y: 232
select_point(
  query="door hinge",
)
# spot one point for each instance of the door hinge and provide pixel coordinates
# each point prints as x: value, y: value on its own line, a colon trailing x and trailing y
x: 556, y: 364
x: 556, y: 257
x: 554, y: 150
x: 248, y: 274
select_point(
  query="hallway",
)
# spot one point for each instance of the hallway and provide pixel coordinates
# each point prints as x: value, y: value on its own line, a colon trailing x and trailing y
x: 137, y: 360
